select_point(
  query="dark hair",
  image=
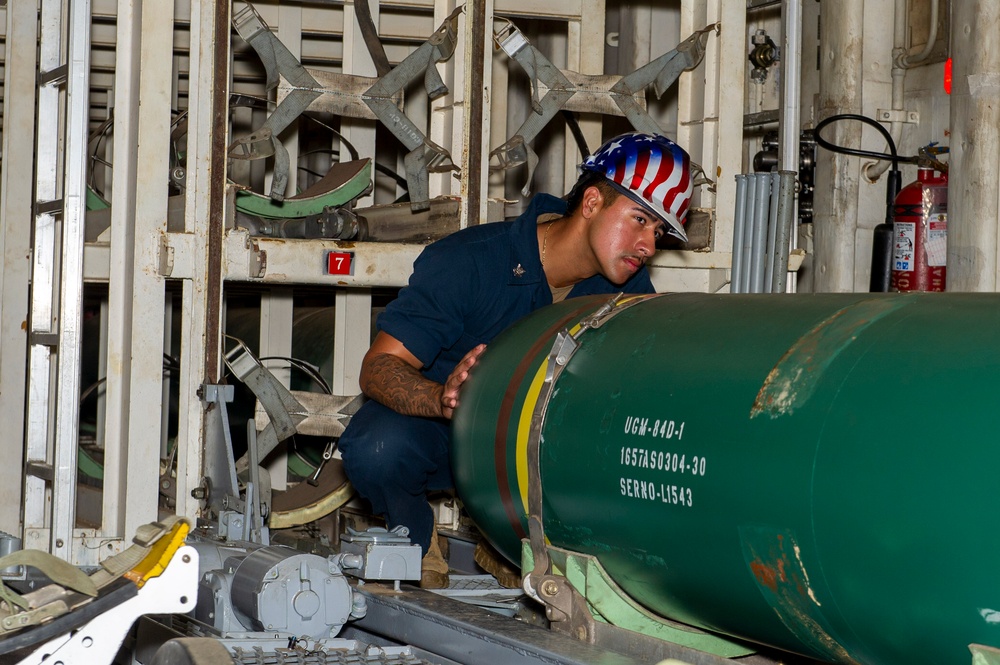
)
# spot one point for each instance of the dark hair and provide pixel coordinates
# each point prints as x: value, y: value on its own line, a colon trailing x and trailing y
x: 590, y: 179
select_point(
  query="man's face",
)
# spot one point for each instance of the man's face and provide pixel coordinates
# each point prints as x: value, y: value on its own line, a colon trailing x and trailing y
x: 623, y: 236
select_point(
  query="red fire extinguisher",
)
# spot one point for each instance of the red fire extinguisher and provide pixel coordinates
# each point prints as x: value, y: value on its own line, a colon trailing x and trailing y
x: 920, y: 234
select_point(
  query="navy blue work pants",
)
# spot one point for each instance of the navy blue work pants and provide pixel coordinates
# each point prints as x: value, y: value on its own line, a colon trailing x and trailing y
x: 393, y: 461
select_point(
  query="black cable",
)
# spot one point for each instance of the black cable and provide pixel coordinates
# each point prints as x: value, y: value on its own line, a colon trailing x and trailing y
x: 381, y: 168
x: 881, y: 265
x: 823, y: 143
x: 99, y: 135
x: 311, y: 172
x: 370, y: 34
x: 574, y: 128
x: 170, y: 365
x: 311, y: 370
x: 350, y: 147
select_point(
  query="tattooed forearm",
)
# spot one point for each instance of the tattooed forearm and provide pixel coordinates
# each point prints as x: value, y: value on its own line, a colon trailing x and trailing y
x: 392, y: 381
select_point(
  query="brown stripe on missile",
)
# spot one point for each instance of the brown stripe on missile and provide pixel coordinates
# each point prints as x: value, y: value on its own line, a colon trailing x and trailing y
x: 507, y: 407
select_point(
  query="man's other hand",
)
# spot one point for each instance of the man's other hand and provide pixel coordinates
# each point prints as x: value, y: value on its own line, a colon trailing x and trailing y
x: 458, y: 376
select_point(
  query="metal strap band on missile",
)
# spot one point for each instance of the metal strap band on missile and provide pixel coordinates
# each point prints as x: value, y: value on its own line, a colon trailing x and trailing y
x: 612, y: 604
x: 553, y: 90
x: 564, y: 606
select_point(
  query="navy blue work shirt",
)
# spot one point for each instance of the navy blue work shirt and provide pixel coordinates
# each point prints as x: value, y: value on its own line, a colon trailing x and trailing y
x: 469, y: 286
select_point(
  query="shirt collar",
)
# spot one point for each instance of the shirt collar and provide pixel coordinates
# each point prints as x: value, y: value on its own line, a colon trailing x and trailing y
x: 525, y: 264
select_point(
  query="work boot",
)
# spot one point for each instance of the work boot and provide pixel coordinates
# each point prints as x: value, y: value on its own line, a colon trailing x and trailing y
x: 433, y: 567
x: 493, y: 563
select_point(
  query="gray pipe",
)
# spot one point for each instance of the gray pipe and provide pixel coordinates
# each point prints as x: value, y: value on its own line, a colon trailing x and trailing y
x: 772, y: 230
x: 739, y: 223
x: 759, y: 246
x: 786, y: 214
x: 747, y: 247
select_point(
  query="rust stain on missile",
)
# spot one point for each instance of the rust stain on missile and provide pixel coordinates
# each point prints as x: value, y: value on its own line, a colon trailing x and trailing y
x: 775, y: 561
x: 792, y: 381
x: 765, y: 574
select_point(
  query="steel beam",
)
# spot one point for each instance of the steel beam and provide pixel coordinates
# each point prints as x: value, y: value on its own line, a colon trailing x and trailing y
x: 468, y: 634
x: 205, y: 210
x: 16, y: 203
x: 973, y: 238
x: 121, y: 267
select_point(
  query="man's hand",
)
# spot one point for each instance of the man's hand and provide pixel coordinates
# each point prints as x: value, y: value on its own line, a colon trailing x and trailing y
x: 449, y: 398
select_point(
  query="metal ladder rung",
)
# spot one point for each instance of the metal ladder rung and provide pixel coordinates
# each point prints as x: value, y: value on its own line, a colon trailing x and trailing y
x: 48, y: 207
x: 55, y: 76
x: 41, y: 470
x: 50, y: 339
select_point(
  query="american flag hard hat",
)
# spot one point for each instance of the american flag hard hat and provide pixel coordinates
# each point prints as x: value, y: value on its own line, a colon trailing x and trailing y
x: 650, y: 169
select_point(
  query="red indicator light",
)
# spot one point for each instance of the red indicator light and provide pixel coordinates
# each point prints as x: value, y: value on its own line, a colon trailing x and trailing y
x: 947, y: 76
x: 340, y: 263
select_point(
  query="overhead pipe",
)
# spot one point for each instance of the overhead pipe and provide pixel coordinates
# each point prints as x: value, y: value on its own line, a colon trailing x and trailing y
x: 790, y: 120
x: 900, y: 63
x: 788, y: 146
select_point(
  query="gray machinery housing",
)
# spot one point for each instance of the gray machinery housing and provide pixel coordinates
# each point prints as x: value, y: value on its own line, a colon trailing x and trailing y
x: 276, y: 588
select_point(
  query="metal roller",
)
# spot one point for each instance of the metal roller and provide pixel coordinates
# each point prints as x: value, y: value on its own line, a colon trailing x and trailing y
x: 812, y: 472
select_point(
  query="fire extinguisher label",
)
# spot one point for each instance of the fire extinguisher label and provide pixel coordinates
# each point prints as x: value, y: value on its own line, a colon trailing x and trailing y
x: 937, y: 240
x: 902, y: 245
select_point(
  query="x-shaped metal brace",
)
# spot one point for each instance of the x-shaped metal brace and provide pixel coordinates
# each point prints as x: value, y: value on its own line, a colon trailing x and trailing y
x: 553, y: 90
x: 381, y: 101
x: 425, y: 155
x: 278, y: 61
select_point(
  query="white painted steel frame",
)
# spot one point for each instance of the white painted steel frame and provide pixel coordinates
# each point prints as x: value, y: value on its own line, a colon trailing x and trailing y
x: 208, y: 18
x: 277, y: 311
x: 353, y: 308
x: 974, y: 196
x: 710, y: 113
x: 16, y: 209
x: 276, y: 305
x: 121, y: 267
x: 301, y: 262
x: 144, y: 343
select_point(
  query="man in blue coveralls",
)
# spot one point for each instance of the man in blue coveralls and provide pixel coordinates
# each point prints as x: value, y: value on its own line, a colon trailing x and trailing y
x: 471, y: 285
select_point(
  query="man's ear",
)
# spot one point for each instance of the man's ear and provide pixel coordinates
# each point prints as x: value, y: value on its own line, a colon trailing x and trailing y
x: 592, y: 201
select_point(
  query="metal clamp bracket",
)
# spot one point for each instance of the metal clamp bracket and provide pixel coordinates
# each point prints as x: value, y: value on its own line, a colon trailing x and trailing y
x: 561, y: 601
x: 276, y: 399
